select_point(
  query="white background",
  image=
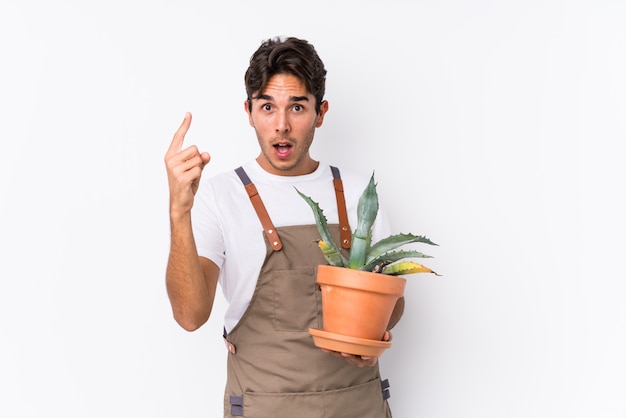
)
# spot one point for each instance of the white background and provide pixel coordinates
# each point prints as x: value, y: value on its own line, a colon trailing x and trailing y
x: 494, y: 129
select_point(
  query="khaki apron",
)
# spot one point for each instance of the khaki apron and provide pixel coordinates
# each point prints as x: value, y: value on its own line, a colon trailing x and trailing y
x: 274, y: 369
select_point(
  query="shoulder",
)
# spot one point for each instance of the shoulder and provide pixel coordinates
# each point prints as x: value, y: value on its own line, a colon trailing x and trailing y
x: 220, y: 179
x: 226, y: 181
x: 221, y: 191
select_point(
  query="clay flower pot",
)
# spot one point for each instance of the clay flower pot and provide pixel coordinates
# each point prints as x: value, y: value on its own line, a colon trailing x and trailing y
x: 360, y: 292
x: 356, y: 309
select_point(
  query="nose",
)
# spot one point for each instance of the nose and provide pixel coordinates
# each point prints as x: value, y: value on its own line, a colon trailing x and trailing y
x: 282, y: 123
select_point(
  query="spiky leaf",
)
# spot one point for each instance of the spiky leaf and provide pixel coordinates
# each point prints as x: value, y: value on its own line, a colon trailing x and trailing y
x: 406, y: 267
x: 322, y: 225
x: 332, y: 254
x: 391, y: 257
x: 367, y: 210
x: 392, y: 242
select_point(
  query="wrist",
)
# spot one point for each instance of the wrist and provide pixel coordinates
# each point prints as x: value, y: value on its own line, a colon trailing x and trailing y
x: 180, y: 216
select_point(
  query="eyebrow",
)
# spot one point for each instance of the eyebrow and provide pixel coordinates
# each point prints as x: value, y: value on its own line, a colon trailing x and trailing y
x: 291, y: 99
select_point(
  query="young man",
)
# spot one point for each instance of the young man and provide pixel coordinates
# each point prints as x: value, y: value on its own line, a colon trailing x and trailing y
x: 249, y: 230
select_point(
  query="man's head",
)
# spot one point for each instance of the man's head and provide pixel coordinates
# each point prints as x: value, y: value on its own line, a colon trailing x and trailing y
x: 285, y: 84
x: 286, y: 56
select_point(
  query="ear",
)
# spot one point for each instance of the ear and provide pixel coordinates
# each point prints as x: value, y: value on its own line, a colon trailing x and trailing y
x: 320, y: 115
x: 246, y: 107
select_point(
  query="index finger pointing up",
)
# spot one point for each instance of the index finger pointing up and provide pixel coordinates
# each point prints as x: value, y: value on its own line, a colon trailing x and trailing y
x: 179, y: 136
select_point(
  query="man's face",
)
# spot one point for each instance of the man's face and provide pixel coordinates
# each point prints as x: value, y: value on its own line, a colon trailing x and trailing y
x: 284, y: 118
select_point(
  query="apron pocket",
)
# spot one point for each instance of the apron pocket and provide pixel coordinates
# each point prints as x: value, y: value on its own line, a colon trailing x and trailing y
x: 297, y: 300
x: 362, y: 401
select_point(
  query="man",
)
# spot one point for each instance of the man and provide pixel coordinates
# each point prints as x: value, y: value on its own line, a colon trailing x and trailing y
x: 250, y: 231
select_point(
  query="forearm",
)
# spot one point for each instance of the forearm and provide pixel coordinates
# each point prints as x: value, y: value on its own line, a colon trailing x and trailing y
x: 190, y: 296
x: 398, y: 310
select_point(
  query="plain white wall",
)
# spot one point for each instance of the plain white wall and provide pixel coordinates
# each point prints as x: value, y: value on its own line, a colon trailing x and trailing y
x: 493, y: 127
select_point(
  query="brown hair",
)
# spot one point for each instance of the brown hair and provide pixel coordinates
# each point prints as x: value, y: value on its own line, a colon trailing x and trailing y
x: 286, y: 56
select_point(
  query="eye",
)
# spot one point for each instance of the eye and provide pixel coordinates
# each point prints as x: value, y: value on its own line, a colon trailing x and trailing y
x: 298, y: 108
x: 267, y: 107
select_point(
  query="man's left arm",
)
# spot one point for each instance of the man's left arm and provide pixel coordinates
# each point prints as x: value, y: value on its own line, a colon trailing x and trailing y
x: 398, y: 310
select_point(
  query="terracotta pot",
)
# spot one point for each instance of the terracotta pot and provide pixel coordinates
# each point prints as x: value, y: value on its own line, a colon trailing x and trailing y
x: 357, y: 303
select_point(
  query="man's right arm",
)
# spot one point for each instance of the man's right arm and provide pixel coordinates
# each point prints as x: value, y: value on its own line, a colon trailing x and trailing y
x: 191, y: 280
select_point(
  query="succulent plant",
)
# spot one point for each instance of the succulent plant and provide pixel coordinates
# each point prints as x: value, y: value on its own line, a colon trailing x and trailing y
x: 384, y: 256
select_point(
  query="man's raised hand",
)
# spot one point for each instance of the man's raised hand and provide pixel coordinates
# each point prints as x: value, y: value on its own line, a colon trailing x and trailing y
x: 184, y: 168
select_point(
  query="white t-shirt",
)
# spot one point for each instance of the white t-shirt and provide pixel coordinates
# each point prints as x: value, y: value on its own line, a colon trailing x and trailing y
x: 227, y: 230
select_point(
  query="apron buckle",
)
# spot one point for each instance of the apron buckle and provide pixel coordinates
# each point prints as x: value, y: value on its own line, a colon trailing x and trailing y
x: 230, y: 347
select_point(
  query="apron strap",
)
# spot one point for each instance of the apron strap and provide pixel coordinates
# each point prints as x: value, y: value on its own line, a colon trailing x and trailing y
x: 229, y: 346
x: 236, y: 406
x: 268, y: 226
x: 344, y: 226
x: 384, y: 386
x: 259, y: 207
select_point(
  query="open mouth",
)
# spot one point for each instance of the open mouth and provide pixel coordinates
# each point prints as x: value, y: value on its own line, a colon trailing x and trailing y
x: 283, y: 149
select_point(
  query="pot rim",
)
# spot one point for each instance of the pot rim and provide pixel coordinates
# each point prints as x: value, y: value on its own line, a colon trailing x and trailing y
x: 361, y: 280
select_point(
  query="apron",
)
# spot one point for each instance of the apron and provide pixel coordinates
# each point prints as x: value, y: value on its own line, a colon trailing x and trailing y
x: 274, y: 370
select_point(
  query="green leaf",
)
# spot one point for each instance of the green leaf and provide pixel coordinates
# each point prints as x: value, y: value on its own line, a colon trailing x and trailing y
x: 393, y: 256
x: 332, y: 254
x: 392, y: 242
x: 367, y: 210
x: 406, y: 267
x: 322, y: 226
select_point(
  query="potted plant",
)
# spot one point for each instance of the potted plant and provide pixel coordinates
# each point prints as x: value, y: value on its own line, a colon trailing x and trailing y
x: 360, y: 292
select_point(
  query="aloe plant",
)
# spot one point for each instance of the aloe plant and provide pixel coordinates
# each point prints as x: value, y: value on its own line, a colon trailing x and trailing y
x: 384, y: 256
